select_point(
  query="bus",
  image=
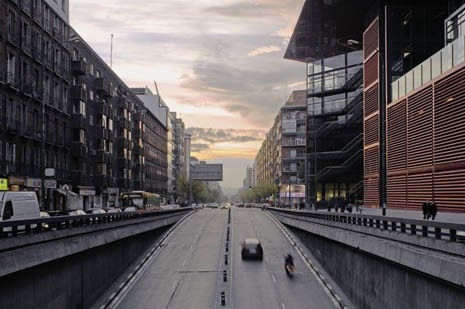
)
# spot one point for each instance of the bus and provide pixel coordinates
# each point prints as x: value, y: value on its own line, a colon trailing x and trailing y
x: 141, y: 200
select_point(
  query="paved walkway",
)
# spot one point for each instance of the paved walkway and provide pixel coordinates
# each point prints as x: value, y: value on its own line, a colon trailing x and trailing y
x: 450, y: 217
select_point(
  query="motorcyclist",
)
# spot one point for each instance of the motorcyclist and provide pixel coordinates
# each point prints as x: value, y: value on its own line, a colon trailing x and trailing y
x: 289, y: 260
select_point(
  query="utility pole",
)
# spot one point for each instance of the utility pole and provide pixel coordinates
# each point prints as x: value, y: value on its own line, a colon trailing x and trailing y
x: 111, y: 51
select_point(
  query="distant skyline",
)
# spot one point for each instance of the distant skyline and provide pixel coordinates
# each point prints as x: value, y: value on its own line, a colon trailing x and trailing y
x: 218, y: 65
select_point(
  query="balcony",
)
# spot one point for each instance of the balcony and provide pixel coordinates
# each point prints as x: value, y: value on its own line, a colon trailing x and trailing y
x: 26, y: 87
x: 101, y: 180
x: 78, y: 67
x: 123, y: 123
x: 79, y: 178
x: 138, y: 167
x: 79, y: 92
x: 137, y: 132
x: 13, y: 37
x: 102, y: 86
x: 101, y: 132
x: 78, y: 121
x: 12, y: 125
x: 121, y: 142
x: 122, y: 163
x: 122, y: 183
x: 26, y: 45
x: 123, y: 102
x: 78, y: 150
x: 139, y: 184
x: 101, y: 108
x: 138, y: 150
x: 12, y: 80
x: 101, y: 156
x: 51, y: 138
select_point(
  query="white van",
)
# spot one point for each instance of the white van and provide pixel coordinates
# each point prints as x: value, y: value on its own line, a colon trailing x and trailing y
x: 21, y: 205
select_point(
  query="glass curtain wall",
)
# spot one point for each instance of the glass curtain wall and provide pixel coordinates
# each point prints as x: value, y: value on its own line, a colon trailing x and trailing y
x: 334, y: 89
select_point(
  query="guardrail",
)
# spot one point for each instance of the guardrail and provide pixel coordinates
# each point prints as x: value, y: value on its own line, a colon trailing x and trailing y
x: 439, y: 230
x: 34, y: 226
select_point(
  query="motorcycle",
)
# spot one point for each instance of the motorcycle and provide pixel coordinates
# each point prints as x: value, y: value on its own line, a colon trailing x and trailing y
x: 289, y: 266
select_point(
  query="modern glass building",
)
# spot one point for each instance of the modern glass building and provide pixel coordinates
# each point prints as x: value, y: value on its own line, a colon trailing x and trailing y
x: 412, y: 55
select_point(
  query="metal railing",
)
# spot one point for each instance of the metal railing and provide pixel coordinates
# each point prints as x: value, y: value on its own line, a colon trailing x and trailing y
x: 43, y: 225
x: 429, y: 229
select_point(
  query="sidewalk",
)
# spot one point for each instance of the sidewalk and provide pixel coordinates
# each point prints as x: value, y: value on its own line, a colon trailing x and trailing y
x: 448, y: 217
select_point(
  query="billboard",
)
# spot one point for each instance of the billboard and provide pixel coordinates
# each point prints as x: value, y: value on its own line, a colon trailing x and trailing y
x: 207, y: 172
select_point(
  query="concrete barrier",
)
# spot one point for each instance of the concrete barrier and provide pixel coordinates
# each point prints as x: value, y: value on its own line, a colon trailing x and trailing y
x: 377, y: 271
x: 71, y: 268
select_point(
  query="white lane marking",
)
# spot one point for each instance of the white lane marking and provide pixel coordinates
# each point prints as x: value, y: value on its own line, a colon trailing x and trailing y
x: 319, y: 278
x: 184, y: 263
x: 282, y: 305
x: 116, y: 297
x: 274, y: 279
x: 174, y: 284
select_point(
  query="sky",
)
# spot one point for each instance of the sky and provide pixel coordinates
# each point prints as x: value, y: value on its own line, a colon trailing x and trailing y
x: 217, y: 63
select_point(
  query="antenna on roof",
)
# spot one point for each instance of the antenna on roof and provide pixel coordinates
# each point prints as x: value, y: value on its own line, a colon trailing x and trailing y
x: 158, y: 93
x: 111, y: 51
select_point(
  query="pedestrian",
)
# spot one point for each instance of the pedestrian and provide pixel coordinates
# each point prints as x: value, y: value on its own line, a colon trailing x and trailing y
x: 425, y: 208
x: 360, y: 208
x: 301, y: 205
x: 349, y: 207
x: 433, y: 208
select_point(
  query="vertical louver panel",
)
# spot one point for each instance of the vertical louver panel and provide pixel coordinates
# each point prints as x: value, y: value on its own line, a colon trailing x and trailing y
x: 371, y: 191
x: 420, y: 129
x: 449, y: 118
x: 370, y: 39
x: 396, y: 137
x: 371, y: 160
x: 371, y: 130
x: 397, y: 191
x: 449, y: 190
x: 419, y: 189
x: 370, y: 71
x: 370, y: 100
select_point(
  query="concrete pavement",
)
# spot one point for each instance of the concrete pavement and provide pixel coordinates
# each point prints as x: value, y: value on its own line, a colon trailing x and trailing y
x: 447, y: 217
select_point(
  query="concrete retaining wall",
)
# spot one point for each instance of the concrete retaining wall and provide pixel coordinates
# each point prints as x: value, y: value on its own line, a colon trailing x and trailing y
x: 74, y: 269
x: 379, y: 273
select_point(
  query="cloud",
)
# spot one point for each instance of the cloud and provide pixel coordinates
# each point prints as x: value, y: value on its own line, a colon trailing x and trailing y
x: 198, y: 147
x: 218, y: 64
x: 264, y: 50
x: 212, y: 136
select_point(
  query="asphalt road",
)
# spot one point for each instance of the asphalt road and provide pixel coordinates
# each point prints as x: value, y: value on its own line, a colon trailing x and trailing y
x: 188, y: 271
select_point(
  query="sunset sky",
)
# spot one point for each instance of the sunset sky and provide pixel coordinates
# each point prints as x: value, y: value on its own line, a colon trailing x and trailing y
x: 217, y: 63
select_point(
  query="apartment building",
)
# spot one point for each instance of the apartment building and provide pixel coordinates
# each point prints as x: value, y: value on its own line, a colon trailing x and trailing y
x: 155, y: 139
x: 35, y: 83
x: 281, y: 158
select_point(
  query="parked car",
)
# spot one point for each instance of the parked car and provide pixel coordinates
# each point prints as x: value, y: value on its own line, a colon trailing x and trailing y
x: 96, y: 211
x: 43, y: 214
x: 252, y: 249
x: 77, y: 212
x: 130, y: 209
x: 113, y: 210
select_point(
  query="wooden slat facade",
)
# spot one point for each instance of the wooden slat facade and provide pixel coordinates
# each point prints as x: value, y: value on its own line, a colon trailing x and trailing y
x: 434, y: 165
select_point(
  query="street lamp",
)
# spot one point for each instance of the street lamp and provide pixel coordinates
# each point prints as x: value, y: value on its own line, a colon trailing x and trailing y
x: 190, y: 183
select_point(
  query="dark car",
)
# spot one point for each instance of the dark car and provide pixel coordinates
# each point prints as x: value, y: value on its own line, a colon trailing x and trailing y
x: 252, y: 248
